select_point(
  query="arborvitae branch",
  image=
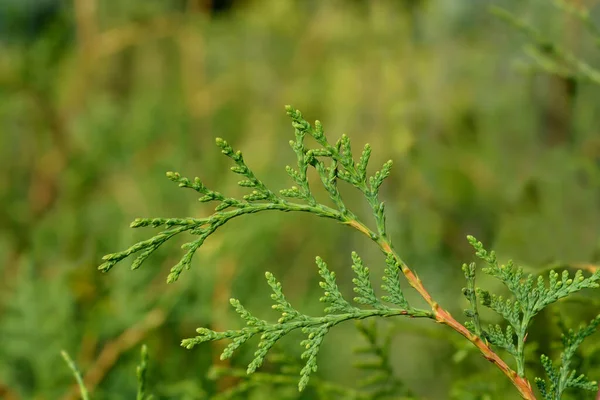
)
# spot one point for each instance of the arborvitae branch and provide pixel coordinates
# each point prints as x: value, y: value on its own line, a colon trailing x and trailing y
x: 315, y: 328
x: 529, y: 297
x: 558, y: 380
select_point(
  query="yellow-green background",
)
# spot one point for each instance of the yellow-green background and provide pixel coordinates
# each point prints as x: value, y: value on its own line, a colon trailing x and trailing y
x: 99, y: 98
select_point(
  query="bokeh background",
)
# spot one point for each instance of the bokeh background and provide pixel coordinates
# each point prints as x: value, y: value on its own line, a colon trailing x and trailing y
x: 99, y: 98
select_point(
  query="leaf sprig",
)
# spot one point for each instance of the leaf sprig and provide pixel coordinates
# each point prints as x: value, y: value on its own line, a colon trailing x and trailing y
x: 531, y: 295
x: 338, y: 310
x: 261, y: 198
x: 334, y: 163
x: 341, y: 166
x: 560, y: 379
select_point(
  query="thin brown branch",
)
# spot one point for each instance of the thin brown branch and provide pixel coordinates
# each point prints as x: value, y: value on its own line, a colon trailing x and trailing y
x: 444, y: 317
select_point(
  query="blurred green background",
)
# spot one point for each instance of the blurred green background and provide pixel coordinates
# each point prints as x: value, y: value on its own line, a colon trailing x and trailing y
x: 98, y: 99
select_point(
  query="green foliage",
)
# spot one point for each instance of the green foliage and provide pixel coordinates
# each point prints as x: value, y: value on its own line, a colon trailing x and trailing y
x: 564, y: 378
x: 531, y: 295
x: 315, y: 328
x: 342, y: 167
x: 85, y: 142
x: 263, y: 199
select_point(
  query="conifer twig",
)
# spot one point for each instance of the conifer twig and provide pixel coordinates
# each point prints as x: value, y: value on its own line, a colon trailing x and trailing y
x: 444, y: 317
x: 529, y: 299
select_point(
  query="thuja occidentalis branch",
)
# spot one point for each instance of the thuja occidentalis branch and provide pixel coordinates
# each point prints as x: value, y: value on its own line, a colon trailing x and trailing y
x: 444, y: 317
x: 439, y: 314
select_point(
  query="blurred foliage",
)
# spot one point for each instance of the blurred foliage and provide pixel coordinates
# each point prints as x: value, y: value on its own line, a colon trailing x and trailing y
x: 99, y: 98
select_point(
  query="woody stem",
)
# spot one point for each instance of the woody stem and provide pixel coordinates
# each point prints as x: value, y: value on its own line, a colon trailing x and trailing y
x: 444, y: 317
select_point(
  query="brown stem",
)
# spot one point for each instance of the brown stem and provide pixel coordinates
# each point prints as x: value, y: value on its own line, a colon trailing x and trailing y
x: 443, y: 317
